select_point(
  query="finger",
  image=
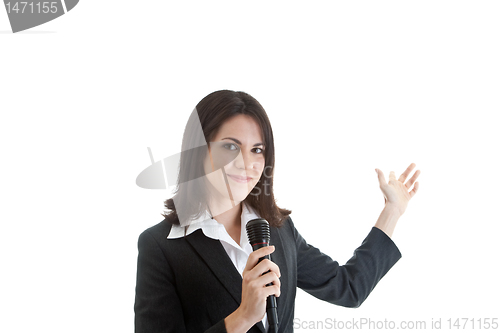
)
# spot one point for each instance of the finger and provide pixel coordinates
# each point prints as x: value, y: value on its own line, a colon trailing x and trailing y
x: 268, y: 278
x: 274, y: 290
x: 263, y: 282
x: 267, y: 265
x: 392, y: 176
x: 410, y: 182
x: 414, y: 191
x: 262, y: 268
x: 271, y: 290
x: 405, y: 174
x: 254, y: 257
x: 381, y: 178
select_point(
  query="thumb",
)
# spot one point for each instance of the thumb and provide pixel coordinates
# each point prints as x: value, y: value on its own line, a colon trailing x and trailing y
x: 381, y: 178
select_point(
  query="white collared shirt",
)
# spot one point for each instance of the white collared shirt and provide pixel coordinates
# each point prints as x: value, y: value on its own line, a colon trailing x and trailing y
x: 238, y: 253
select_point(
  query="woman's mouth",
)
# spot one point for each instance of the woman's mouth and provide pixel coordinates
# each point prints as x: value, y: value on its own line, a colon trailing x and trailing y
x: 240, y: 179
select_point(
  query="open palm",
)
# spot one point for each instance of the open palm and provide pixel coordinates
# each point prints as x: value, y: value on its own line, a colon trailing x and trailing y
x: 396, y: 192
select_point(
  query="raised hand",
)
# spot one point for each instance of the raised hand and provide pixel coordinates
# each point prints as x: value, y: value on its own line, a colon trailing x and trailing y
x: 396, y: 192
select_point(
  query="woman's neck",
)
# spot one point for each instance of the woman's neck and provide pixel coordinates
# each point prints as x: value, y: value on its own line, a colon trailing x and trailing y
x: 230, y: 218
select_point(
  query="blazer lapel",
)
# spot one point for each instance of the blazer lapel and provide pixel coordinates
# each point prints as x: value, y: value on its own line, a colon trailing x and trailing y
x: 214, y: 255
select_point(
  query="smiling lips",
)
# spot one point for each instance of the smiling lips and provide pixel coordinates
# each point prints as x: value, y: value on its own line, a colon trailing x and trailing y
x: 240, y: 179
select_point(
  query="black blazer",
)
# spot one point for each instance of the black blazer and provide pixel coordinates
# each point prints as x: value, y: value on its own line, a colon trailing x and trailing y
x: 190, y: 284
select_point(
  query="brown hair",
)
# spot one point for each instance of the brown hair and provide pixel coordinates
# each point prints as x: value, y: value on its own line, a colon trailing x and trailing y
x: 211, y: 112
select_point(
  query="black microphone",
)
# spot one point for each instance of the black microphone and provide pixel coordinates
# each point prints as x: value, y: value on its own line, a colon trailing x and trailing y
x: 259, y: 236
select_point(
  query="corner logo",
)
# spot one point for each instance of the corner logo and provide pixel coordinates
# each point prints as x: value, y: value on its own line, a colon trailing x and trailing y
x: 28, y: 14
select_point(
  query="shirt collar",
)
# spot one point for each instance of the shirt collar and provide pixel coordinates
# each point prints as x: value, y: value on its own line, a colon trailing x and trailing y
x: 213, y: 229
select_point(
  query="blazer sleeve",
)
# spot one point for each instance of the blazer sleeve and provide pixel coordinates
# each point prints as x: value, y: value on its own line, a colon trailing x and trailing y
x: 348, y: 285
x: 157, y: 305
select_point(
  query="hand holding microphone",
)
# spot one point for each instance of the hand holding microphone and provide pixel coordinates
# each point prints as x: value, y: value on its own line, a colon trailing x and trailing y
x: 254, y: 290
x: 261, y: 284
x: 259, y: 236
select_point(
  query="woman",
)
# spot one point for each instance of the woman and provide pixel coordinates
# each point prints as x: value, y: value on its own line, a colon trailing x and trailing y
x: 196, y: 271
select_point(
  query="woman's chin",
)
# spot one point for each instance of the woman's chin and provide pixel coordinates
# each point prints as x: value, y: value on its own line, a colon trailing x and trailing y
x: 237, y: 199
x: 240, y: 196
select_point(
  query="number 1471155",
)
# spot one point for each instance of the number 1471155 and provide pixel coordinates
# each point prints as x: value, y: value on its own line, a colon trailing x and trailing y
x: 32, y: 7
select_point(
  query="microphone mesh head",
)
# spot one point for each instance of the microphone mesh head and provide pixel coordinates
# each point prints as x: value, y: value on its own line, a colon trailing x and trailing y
x: 258, y: 231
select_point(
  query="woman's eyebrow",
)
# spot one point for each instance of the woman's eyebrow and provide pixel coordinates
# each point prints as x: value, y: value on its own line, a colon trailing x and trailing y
x: 238, y: 142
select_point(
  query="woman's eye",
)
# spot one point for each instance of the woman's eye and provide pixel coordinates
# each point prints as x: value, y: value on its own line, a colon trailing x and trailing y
x: 231, y: 146
x: 259, y: 150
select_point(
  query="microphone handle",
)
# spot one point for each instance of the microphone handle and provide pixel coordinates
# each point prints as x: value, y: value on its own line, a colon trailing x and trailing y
x: 271, y: 307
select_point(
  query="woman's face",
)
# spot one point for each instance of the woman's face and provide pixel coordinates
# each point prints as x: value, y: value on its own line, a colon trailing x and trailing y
x: 236, y: 160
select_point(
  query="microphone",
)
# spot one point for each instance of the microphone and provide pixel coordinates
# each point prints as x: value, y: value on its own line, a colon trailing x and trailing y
x: 259, y: 236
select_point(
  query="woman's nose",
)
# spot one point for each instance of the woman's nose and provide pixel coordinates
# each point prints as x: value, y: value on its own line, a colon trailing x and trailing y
x: 244, y: 161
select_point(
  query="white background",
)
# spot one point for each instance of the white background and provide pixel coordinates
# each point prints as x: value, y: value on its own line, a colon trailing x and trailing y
x: 348, y: 87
